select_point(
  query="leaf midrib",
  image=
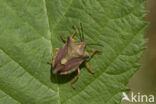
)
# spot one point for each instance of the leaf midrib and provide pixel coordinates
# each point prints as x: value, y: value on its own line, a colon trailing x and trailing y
x: 51, y: 33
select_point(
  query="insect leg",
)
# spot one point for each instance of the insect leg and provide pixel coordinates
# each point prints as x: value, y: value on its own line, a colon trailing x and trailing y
x: 74, y: 31
x: 54, y: 55
x: 53, y: 58
x: 63, y: 39
x: 72, y: 84
x: 88, y: 67
x: 95, y: 51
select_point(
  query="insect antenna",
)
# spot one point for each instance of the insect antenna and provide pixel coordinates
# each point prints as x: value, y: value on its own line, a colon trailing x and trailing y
x: 95, y: 44
x: 82, y: 35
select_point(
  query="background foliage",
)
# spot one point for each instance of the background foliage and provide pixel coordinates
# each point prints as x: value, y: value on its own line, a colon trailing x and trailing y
x: 144, y: 80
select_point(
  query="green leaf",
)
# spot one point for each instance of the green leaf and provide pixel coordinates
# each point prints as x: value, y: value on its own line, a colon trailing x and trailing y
x: 31, y: 29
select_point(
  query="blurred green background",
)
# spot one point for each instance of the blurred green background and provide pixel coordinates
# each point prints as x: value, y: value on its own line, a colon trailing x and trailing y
x: 144, y: 80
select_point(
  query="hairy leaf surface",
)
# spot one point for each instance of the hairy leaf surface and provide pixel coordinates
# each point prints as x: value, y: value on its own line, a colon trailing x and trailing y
x: 31, y: 29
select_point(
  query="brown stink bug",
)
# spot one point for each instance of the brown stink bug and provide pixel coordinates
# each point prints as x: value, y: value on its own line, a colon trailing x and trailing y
x: 68, y: 58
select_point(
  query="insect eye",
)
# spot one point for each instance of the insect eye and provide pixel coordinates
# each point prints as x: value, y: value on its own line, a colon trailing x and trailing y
x: 85, y: 56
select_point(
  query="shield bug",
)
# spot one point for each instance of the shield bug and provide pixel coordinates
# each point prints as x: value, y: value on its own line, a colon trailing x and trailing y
x: 71, y: 55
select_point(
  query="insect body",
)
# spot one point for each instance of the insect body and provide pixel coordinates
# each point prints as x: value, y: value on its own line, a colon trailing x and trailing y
x: 70, y: 56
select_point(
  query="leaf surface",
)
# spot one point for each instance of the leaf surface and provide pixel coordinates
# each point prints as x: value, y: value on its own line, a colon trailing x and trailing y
x: 31, y: 29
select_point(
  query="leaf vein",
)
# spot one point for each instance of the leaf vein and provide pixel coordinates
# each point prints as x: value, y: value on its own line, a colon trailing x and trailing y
x: 27, y: 70
x: 11, y: 96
